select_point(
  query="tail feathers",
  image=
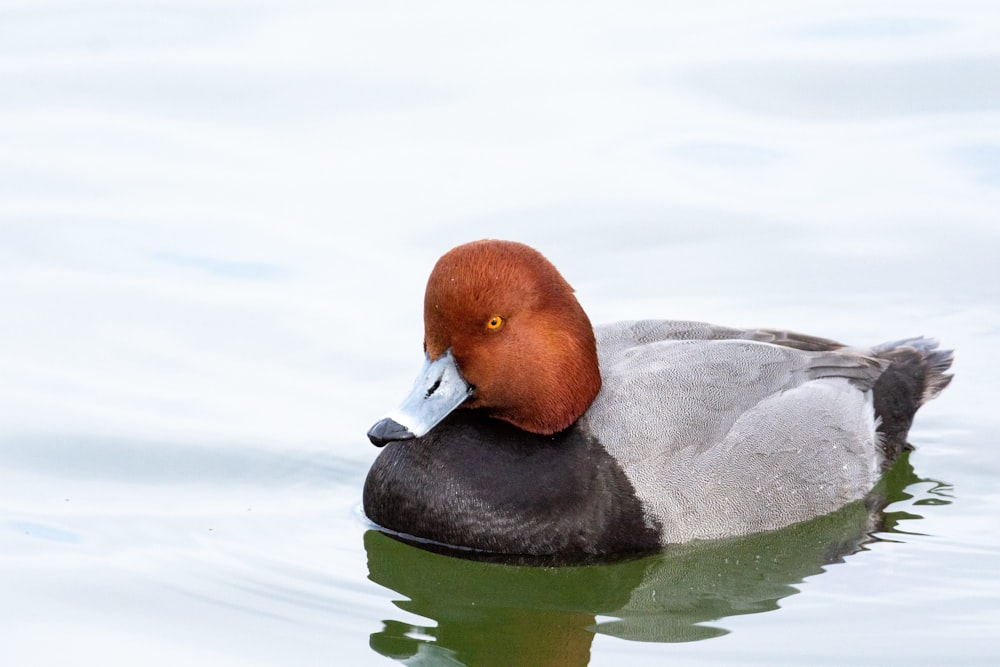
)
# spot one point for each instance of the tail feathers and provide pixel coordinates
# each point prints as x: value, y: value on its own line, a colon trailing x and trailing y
x: 935, y: 362
x: 917, y: 372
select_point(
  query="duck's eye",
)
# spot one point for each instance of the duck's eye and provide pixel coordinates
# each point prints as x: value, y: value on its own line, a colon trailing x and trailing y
x: 494, y: 323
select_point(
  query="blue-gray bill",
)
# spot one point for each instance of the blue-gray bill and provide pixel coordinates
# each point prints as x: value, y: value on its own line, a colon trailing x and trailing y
x: 439, y: 389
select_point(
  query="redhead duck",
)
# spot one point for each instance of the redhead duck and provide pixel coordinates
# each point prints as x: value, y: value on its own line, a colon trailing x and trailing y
x: 530, y: 432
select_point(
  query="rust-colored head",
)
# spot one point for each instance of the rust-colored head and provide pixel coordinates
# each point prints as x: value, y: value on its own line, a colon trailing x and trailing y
x: 517, y: 332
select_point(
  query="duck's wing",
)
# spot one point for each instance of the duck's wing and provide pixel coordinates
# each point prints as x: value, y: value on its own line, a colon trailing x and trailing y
x: 641, y: 332
x: 687, y: 392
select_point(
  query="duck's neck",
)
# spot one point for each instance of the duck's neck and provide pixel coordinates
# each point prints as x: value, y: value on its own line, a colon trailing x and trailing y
x: 553, y: 393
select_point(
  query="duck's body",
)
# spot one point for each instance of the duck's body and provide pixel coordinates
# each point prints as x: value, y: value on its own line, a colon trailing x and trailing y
x: 689, y: 431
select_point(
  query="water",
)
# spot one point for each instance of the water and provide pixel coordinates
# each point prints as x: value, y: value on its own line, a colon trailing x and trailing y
x: 215, y: 226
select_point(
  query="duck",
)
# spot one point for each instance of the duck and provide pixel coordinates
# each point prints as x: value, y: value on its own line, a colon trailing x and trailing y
x: 531, y: 432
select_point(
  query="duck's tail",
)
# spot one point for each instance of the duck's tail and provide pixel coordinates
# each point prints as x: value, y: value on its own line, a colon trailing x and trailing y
x: 917, y: 372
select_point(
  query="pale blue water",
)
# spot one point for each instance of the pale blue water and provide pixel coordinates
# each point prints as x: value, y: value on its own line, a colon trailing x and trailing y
x: 216, y: 220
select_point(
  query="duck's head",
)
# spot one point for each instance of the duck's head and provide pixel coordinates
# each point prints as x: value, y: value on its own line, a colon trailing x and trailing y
x: 504, y: 332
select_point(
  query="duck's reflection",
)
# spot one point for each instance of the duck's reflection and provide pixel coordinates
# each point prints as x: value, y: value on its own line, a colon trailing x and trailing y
x: 502, y: 614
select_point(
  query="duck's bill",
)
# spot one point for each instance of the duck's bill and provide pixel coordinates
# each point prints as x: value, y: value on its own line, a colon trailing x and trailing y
x: 439, y: 389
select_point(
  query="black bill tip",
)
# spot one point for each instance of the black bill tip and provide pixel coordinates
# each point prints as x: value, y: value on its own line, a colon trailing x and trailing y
x: 388, y: 430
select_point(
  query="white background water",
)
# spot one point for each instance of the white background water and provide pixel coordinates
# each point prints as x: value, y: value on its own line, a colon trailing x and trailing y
x: 216, y: 220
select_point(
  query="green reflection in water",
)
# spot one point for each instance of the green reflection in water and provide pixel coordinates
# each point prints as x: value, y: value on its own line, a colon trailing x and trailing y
x: 488, y: 613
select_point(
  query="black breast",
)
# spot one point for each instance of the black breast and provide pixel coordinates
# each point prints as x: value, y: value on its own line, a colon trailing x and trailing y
x: 478, y: 483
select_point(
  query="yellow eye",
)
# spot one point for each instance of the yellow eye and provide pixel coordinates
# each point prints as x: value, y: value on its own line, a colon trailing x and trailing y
x: 494, y: 323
